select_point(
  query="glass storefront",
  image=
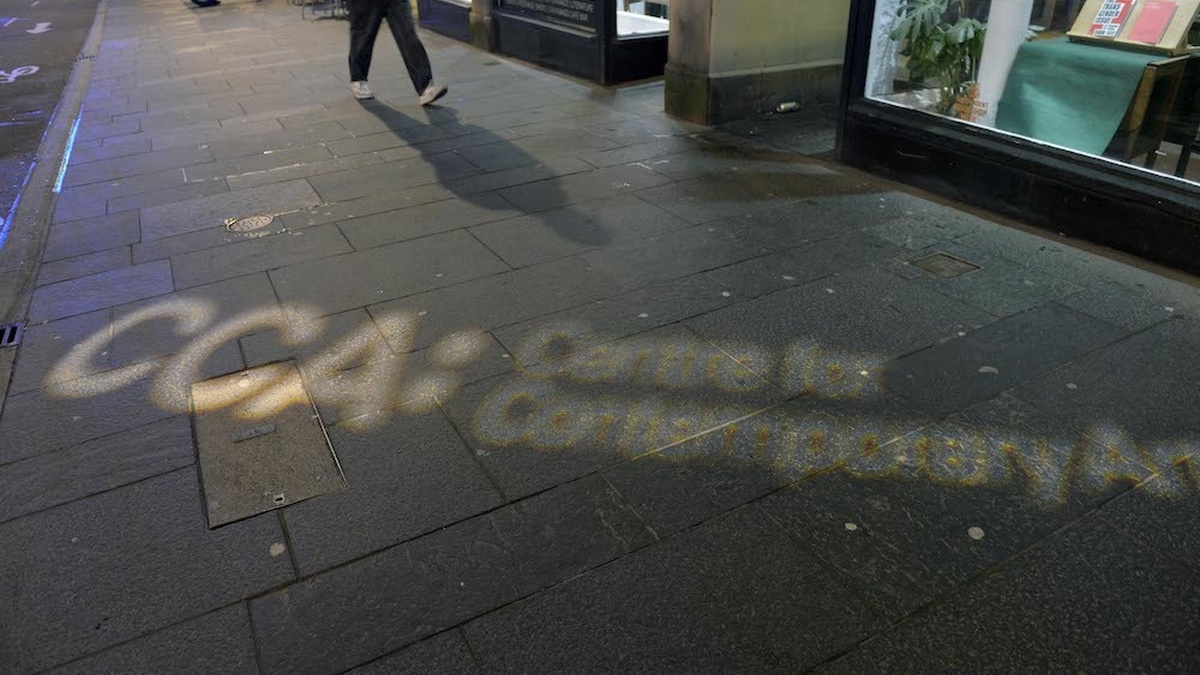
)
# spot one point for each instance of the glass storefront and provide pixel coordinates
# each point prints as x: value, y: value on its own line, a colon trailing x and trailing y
x: 1076, y: 116
x: 643, y: 17
x: 1114, y: 79
x: 607, y: 41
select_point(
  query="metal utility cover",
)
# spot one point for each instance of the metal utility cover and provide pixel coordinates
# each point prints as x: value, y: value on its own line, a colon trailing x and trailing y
x: 261, y: 443
x: 10, y: 335
x: 944, y: 266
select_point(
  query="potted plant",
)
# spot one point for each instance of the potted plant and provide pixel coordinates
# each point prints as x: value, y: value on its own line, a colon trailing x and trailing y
x: 942, y: 46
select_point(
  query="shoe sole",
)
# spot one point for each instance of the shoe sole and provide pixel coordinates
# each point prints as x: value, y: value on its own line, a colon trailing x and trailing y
x: 440, y: 94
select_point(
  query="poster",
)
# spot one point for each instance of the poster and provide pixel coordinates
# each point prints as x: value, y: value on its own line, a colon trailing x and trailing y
x: 1111, y: 18
x: 575, y: 12
x: 1152, y: 23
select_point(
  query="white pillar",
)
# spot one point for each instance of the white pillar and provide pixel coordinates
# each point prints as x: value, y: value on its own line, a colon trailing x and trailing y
x: 1008, y: 22
x: 885, y: 52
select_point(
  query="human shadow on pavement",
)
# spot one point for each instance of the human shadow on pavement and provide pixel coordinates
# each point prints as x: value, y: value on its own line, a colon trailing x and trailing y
x: 481, y: 188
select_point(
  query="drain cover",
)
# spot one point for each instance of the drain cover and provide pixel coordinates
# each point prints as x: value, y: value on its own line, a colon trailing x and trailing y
x: 248, y: 224
x: 10, y: 335
x: 264, y: 451
x: 944, y: 266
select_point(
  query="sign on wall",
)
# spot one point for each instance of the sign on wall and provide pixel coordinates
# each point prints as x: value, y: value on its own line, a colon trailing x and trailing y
x: 580, y: 13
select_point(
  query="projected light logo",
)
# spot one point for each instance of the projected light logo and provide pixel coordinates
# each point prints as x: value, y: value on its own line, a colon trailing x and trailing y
x: 805, y: 409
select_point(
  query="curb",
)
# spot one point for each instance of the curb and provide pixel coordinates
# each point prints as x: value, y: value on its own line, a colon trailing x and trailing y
x: 28, y: 222
x: 30, y: 218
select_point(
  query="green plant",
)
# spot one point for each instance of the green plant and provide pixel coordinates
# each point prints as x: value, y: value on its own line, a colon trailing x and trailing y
x: 938, y: 51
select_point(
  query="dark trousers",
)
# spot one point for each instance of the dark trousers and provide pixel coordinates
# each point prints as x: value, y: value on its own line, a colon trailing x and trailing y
x: 365, y: 18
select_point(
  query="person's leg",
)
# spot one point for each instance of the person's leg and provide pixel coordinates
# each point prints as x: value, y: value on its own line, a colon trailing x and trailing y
x: 400, y: 20
x: 365, y: 19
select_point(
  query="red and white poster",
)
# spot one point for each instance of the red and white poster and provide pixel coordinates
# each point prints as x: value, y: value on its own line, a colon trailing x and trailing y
x: 1152, y: 23
x: 1110, y: 18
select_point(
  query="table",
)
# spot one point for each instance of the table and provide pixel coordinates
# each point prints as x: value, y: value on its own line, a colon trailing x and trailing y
x: 1153, y: 102
x: 1081, y: 96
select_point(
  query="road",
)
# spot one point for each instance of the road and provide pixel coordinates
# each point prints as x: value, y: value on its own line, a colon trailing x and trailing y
x: 39, y: 43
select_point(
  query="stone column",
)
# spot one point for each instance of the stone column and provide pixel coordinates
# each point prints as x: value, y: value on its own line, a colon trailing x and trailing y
x: 483, y: 35
x: 686, y: 75
x: 731, y: 59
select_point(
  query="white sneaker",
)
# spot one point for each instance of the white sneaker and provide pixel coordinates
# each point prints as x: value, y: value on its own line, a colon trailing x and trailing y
x: 361, y: 90
x: 432, y: 93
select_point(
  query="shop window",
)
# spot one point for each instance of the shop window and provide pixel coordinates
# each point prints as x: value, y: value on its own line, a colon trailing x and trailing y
x: 642, y: 17
x: 1118, y: 79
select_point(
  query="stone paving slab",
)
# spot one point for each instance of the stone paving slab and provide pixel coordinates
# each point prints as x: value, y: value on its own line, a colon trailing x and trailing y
x: 805, y: 263
x: 575, y: 229
x: 954, y: 375
x: 85, y: 265
x: 54, y: 478
x: 904, y: 541
x: 1110, y: 386
x: 402, y: 224
x: 257, y: 255
x: 107, y: 289
x: 443, y: 653
x: 684, y: 251
x: 86, y: 408
x: 999, y: 287
x: 495, y: 301
x: 1052, y: 608
x: 219, y: 643
x: 387, y: 272
x: 565, y: 333
x: 611, y: 391
x: 565, y: 419
x: 95, y: 582
x: 739, y: 606
x: 85, y: 169
x: 181, y: 217
x: 405, y: 478
x: 378, y: 604
x: 46, y: 344
x: 843, y: 313
x: 749, y: 458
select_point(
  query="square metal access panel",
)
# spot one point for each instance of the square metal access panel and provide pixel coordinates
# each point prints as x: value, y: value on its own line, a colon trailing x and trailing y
x: 944, y: 266
x: 261, y: 443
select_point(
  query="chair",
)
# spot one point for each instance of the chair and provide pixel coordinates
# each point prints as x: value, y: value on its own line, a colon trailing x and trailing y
x: 336, y: 9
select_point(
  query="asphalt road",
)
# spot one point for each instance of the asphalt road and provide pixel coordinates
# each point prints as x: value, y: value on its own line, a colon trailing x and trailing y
x: 39, y: 43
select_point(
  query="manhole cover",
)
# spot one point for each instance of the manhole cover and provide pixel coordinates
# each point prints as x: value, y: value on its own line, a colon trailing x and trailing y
x: 248, y: 224
x: 260, y: 443
x: 944, y: 266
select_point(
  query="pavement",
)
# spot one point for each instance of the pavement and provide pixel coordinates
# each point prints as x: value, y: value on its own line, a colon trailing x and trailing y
x: 542, y: 380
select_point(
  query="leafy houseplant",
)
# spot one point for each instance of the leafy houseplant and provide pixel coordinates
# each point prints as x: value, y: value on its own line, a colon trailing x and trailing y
x: 937, y: 51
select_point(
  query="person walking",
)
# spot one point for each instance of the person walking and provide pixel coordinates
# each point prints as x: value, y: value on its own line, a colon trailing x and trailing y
x: 365, y: 18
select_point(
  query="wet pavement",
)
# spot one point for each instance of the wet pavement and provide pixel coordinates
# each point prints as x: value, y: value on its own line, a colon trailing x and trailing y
x: 581, y: 388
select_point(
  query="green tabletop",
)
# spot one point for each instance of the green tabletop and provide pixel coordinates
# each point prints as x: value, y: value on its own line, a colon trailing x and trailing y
x: 1070, y: 94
